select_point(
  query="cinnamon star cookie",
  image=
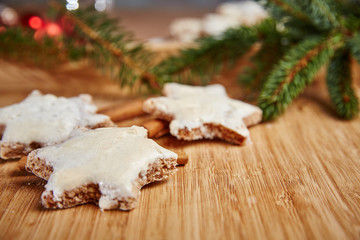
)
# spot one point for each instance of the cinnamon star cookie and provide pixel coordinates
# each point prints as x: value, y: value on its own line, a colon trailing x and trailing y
x: 107, y: 166
x: 42, y: 120
x: 203, y: 112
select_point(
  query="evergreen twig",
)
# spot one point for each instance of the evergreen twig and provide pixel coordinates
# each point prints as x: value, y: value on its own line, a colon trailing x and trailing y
x: 293, y: 73
x: 194, y: 62
x: 287, y: 9
x: 322, y: 13
x: 339, y: 84
x: 19, y: 45
x: 299, y: 38
x: 113, y: 48
x: 265, y: 59
x: 354, y: 45
x: 304, y: 38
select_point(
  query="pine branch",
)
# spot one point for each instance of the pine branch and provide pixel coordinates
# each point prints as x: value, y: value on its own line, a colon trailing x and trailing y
x: 18, y: 44
x: 207, y: 59
x: 281, y: 8
x: 322, y: 13
x: 350, y: 7
x: 306, y: 27
x: 93, y: 36
x: 254, y: 77
x: 111, y: 48
x: 354, y: 44
x: 293, y: 73
x: 270, y: 52
x: 339, y: 85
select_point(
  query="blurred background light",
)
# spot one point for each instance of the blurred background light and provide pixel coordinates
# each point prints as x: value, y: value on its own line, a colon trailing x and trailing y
x: 35, y: 22
x: 53, y: 29
x: 72, y: 5
x: 160, y: 12
x: 120, y: 4
x: 8, y: 16
x: 100, y: 5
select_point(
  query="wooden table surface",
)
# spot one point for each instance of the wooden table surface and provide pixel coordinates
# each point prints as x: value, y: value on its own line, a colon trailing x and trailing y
x: 299, y: 179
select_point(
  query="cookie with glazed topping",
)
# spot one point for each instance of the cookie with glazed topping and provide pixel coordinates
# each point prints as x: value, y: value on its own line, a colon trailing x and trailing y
x: 203, y: 112
x: 247, y: 13
x: 42, y: 120
x: 107, y: 166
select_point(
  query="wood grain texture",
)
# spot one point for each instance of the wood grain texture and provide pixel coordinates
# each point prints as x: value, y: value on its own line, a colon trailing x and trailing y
x: 299, y: 179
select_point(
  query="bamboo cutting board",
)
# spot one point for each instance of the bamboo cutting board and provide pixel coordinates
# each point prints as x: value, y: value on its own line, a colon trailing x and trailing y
x: 299, y: 179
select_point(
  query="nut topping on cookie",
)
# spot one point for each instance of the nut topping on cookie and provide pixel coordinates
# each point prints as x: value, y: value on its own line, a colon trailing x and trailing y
x: 107, y: 166
x: 42, y: 120
x: 204, y: 112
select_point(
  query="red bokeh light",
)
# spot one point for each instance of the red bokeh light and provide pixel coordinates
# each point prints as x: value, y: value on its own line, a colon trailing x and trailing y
x: 35, y: 22
x: 53, y: 29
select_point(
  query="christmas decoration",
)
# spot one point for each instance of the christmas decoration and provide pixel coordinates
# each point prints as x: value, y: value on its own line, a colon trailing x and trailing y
x: 295, y: 42
x: 71, y: 36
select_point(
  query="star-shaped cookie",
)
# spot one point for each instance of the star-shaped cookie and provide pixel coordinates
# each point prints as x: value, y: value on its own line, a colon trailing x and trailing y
x: 107, y: 166
x: 42, y: 120
x: 203, y: 112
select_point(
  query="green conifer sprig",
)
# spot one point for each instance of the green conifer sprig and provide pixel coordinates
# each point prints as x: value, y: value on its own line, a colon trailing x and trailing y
x: 354, y: 45
x: 305, y: 37
x: 110, y: 47
x: 89, y: 35
x: 19, y: 45
x: 265, y: 58
x: 326, y: 19
x: 195, y: 62
x: 339, y: 85
x: 322, y: 13
x: 298, y: 38
x: 293, y: 73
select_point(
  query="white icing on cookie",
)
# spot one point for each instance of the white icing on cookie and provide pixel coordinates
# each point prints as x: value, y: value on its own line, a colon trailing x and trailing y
x: 186, y: 29
x: 245, y: 12
x: 111, y: 157
x: 48, y: 119
x: 193, y: 107
x: 216, y: 24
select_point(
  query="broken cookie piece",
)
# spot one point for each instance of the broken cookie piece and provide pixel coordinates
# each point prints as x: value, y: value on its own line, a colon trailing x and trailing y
x: 42, y: 120
x: 203, y: 112
x: 107, y: 166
